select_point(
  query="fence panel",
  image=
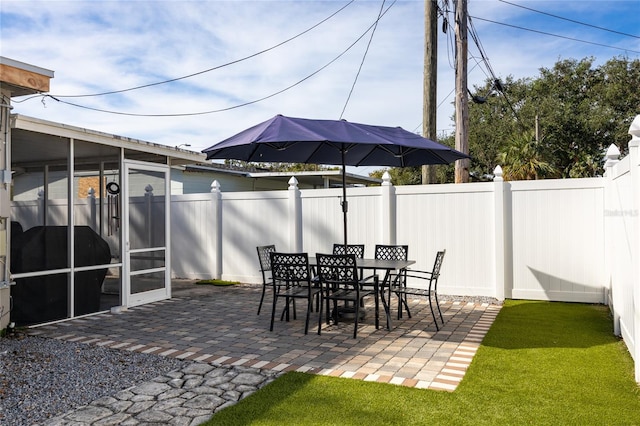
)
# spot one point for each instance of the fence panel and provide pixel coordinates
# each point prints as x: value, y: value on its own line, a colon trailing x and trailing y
x: 322, y: 219
x: 558, y: 240
x: 621, y: 221
x: 250, y: 219
x: 458, y: 218
x: 192, y: 231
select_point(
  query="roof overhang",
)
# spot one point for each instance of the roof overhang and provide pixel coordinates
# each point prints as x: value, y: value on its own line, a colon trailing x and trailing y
x: 317, y: 179
x: 30, y: 136
x: 20, y: 79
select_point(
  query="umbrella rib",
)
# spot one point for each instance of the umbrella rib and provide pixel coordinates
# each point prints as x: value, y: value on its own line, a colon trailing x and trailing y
x: 403, y: 153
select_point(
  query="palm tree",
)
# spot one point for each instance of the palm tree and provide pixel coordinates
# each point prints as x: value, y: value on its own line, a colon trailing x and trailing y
x: 523, y: 158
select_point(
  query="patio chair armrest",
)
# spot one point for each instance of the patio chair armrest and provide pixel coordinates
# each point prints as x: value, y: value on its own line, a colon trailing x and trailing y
x: 415, y: 273
x: 367, y: 281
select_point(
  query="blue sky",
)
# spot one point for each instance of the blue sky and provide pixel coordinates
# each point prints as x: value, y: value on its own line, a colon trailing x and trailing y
x: 102, y: 46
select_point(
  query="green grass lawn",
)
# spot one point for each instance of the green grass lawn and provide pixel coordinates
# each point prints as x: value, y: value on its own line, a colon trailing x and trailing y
x: 540, y: 364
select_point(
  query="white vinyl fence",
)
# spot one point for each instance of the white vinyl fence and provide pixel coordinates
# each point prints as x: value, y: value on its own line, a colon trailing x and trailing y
x: 622, y: 242
x: 537, y: 240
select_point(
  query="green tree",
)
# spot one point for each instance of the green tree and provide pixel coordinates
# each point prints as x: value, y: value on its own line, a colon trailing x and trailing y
x: 279, y: 167
x: 524, y: 158
x: 400, y: 175
x: 580, y: 110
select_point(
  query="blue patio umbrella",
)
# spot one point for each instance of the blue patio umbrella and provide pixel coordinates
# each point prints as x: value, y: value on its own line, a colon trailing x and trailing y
x: 332, y: 142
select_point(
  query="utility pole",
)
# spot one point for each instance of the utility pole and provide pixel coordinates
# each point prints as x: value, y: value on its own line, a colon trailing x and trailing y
x: 462, y: 99
x: 430, y: 79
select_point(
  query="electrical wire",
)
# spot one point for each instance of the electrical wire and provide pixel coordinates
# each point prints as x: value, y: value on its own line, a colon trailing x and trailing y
x: 570, y: 20
x: 494, y: 78
x: 556, y: 35
x: 445, y: 98
x: 363, y: 59
x: 234, y: 106
x: 236, y: 61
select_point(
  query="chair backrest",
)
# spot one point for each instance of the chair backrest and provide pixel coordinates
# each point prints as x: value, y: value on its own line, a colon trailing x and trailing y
x: 290, y: 268
x: 337, y: 269
x: 264, y: 256
x: 435, y: 273
x: 392, y: 252
x: 356, y: 249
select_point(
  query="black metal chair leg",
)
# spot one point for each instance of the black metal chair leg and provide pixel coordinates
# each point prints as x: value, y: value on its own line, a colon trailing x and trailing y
x: 309, y: 309
x: 439, y: 311
x: 261, y: 298
x: 355, y: 327
x: 320, y: 304
x: 273, y: 312
x: 433, y: 314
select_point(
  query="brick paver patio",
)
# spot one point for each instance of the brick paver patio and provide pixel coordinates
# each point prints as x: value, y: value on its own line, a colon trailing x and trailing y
x: 219, y: 325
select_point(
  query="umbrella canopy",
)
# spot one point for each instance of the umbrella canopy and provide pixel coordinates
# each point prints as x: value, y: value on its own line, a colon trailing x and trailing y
x: 335, y: 142
x: 301, y: 140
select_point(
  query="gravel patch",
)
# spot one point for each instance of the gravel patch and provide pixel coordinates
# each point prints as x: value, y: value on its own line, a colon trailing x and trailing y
x: 469, y: 299
x: 41, y: 378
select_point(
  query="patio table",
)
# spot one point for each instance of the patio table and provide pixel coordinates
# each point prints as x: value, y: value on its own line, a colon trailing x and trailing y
x: 388, y: 266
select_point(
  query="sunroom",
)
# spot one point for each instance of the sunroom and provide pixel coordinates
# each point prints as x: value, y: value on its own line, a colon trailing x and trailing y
x: 110, y: 197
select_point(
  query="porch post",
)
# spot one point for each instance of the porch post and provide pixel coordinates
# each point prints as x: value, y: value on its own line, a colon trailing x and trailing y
x: 389, y: 210
x: 295, y: 216
x: 216, y: 199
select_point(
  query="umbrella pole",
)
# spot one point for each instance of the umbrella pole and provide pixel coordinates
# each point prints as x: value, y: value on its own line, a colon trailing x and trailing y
x: 345, y: 203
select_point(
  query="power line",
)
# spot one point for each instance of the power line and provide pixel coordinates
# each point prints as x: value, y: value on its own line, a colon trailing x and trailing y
x: 234, y: 106
x: 253, y: 55
x: 570, y: 20
x: 363, y: 58
x: 496, y: 81
x: 556, y: 35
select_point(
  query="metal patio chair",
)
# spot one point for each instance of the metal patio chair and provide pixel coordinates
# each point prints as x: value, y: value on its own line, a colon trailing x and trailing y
x: 402, y: 289
x: 291, y: 281
x: 338, y: 275
x: 264, y: 257
x: 388, y: 252
x: 356, y: 249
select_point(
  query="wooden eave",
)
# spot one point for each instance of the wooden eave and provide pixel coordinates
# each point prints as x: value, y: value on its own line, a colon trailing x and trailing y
x: 21, y: 79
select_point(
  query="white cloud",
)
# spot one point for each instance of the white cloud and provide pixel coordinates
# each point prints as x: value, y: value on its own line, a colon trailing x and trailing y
x: 98, y: 46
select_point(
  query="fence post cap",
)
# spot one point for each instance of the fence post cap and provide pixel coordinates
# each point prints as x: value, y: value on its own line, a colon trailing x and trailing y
x: 613, y: 153
x: 386, y: 178
x: 293, y: 183
x: 634, y: 129
x: 497, y: 174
